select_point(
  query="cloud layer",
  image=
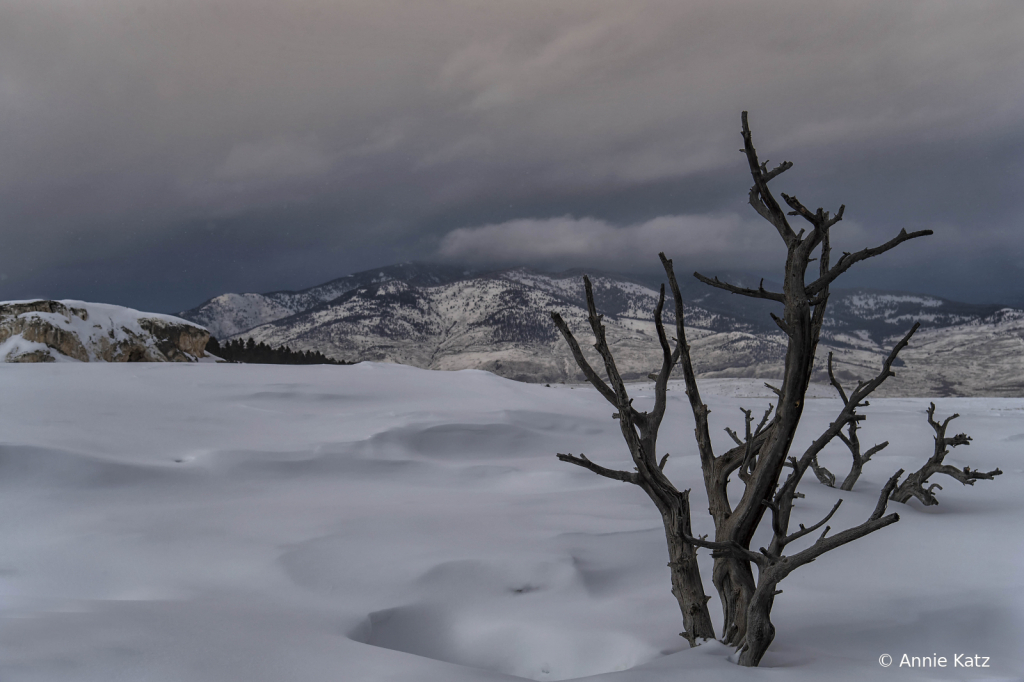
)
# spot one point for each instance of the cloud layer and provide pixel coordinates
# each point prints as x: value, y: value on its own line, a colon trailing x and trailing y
x: 711, y: 240
x: 211, y: 145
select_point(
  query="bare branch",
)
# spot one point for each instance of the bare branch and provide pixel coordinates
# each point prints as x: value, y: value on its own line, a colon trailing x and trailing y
x: 826, y: 544
x: 781, y: 324
x: 660, y: 327
x: 800, y: 210
x: 865, y: 388
x: 577, y: 354
x: 748, y: 417
x: 760, y: 292
x: 914, y: 485
x: 852, y: 442
x: 805, y: 531
x: 835, y: 382
x: 820, y: 219
x: 582, y: 461
x: 728, y: 462
x: 697, y: 406
x: 778, y: 170
x: 883, y: 498
x: 669, y: 360
x: 596, y: 324
x: 870, y: 453
x: 776, y: 523
x: 847, y: 260
x: 826, y: 477
x: 760, y: 198
x: 640, y: 431
x: 848, y: 415
x: 764, y: 420
x: 731, y: 548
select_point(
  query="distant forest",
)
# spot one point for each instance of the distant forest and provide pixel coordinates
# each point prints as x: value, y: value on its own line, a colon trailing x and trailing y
x: 261, y: 354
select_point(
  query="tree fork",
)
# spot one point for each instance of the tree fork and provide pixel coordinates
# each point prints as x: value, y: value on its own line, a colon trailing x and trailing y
x: 747, y: 608
x: 759, y: 459
x: 640, y: 431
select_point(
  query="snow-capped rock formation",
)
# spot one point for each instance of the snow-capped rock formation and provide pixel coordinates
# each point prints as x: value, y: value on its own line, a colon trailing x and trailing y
x: 451, y: 319
x: 51, y: 331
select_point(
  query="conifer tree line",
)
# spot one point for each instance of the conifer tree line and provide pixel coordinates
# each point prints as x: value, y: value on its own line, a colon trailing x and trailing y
x: 249, y: 351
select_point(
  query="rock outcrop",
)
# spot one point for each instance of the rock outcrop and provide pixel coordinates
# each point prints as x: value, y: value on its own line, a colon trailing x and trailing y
x: 53, y: 331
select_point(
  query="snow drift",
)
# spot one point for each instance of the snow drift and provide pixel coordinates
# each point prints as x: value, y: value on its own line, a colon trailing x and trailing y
x: 221, y: 523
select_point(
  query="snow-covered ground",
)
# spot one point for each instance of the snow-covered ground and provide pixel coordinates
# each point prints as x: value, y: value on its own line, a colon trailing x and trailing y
x: 197, y: 522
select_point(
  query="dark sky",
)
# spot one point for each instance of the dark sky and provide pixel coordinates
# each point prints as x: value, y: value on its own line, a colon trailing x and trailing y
x: 155, y: 153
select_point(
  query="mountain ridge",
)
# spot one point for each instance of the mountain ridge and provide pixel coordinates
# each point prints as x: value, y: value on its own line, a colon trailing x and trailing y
x: 449, y: 317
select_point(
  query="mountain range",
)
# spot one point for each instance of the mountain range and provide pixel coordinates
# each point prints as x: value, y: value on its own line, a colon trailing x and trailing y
x: 446, y: 317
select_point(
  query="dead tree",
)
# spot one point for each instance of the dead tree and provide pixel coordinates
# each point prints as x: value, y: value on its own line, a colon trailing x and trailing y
x: 745, y: 604
x: 640, y: 431
x: 773, y: 566
x: 914, y: 485
x: 852, y: 442
x: 760, y: 459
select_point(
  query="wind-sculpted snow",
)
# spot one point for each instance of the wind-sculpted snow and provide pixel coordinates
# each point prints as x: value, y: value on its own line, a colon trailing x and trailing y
x: 374, y: 522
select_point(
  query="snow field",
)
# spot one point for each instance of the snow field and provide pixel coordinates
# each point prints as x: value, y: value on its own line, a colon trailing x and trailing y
x: 380, y: 522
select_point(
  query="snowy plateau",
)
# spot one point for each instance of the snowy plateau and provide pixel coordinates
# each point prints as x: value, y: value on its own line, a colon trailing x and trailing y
x: 40, y: 330
x: 206, y: 522
x: 444, y: 317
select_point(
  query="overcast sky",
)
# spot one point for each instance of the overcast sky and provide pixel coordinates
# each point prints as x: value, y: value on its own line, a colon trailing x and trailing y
x: 156, y: 153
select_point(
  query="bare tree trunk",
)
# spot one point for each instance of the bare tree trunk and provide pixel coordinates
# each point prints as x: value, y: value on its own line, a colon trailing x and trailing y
x: 686, y: 582
x: 760, y: 459
x: 640, y: 432
x: 760, y: 630
x: 760, y: 456
x: 773, y: 566
x: 734, y: 582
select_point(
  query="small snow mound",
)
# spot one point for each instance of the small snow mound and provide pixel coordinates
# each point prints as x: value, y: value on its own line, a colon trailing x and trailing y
x: 483, y: 615
x: 532, y: 651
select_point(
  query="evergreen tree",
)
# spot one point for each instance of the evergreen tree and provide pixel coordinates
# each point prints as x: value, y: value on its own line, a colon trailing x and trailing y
x: 249, y: 351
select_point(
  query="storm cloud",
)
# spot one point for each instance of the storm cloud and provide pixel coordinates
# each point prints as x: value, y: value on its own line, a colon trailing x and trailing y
x: 157, y: 152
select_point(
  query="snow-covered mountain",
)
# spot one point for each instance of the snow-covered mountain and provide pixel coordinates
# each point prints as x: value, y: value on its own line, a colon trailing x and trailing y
x: 442, y: 317
x: 228, y: 315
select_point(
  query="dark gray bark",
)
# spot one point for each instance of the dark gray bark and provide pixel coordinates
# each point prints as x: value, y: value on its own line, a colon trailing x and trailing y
x: 760, y: 456
x: 640, y: 431
x: 774, y: 566
x: 915, y: 483
x: 759, y: 460
x: 850, y: 439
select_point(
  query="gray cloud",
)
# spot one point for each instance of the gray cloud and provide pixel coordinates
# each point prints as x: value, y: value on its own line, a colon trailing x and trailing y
x: 248, y: 144
x: 711, y: 240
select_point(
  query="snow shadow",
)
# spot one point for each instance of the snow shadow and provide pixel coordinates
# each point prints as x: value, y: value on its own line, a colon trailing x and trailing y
x: 480, y: 615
